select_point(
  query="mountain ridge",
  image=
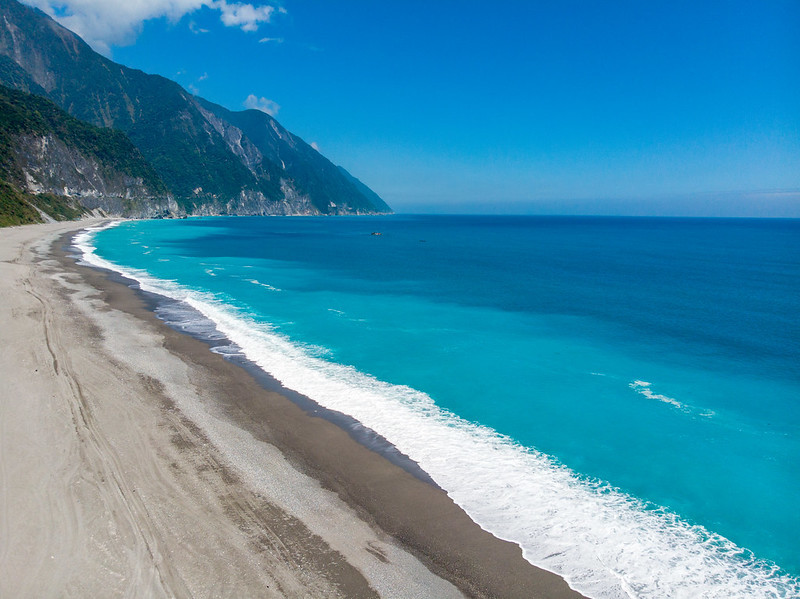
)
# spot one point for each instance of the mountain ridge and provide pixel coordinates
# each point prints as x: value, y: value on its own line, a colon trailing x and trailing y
x: 212, y: 160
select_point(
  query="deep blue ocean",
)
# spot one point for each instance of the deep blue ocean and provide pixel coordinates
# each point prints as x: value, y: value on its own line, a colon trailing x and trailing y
x: 619, y: 396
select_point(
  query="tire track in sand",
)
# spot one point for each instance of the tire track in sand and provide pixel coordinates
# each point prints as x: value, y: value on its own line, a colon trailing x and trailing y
x: 98, y: 456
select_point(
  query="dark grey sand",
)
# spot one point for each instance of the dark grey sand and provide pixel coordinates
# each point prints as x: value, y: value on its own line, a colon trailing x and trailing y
x: 135, y: 462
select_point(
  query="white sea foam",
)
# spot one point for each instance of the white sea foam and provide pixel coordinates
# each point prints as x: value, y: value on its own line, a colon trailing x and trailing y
x: 264, y: 285
x: 645, y: 388
x: 604, y: 543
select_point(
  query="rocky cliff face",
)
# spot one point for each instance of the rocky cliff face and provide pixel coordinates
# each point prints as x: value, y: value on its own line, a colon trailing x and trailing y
x: 49, y: 166
x: 57, y: 166
x: 212, y: 160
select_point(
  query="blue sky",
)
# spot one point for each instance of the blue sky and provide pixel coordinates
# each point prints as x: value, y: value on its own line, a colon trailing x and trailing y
x: 511, y: 106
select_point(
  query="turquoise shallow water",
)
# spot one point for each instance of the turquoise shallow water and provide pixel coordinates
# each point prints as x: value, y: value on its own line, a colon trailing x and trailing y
x: 619, y: 396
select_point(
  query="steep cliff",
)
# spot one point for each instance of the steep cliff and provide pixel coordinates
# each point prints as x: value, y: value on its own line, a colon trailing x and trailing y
x: 212, y: 160
x: 62, y: 167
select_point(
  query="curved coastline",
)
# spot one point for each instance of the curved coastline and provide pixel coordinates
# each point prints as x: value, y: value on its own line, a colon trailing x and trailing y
x: 607, y: 543
x: 384, y: 486
x: 231, y: 457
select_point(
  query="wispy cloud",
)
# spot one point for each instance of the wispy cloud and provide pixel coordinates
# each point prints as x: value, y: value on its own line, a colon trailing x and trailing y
x: 273, y: 40
x: 315, y: 146
x: 195, y: 29
x: 106, y: 23
x: 262, y: 104
x: 203, y: 77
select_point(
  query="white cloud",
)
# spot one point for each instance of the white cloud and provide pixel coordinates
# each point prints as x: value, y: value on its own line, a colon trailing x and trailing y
x: 262, y: 104
x: 203, y: 77
x: 315, y: 146
x: 106, y: 23
x: 246, y: 16
x: 275, y: 40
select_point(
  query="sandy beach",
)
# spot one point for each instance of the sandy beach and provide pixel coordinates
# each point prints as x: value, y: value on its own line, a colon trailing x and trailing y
x: 135, y: 462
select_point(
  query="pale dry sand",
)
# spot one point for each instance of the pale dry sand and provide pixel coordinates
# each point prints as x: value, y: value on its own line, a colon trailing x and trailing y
x: 136, y: 463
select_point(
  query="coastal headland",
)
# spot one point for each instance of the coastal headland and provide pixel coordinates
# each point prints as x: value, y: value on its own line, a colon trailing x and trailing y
x: 136, y: 462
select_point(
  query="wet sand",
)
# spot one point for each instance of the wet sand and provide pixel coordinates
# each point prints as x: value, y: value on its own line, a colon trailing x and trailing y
x: 134, y: 461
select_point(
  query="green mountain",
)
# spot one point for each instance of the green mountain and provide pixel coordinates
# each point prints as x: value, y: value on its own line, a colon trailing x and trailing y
x: 54, y: 165
x: 373, y: 197
x: 212, y: 160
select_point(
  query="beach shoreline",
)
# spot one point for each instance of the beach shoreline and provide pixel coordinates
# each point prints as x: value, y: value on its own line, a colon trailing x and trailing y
x: 136, y: 460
